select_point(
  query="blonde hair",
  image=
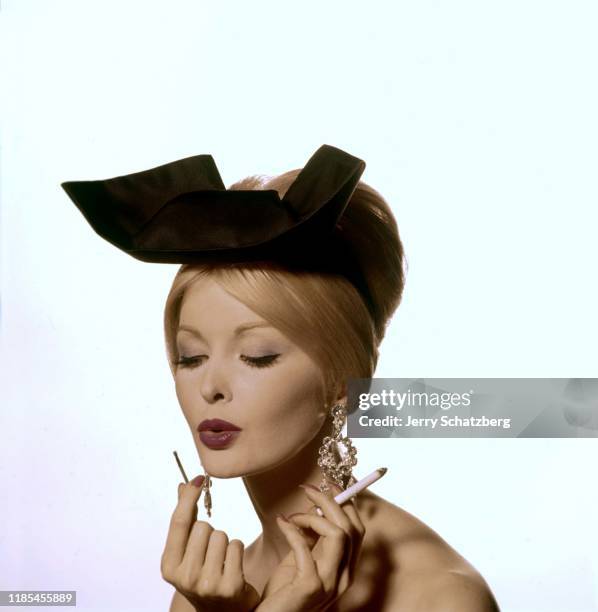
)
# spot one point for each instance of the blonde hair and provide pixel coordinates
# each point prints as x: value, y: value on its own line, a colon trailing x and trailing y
x: 322, y: 313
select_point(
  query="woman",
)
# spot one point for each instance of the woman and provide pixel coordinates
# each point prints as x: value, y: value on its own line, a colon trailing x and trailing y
x: 276, y: 307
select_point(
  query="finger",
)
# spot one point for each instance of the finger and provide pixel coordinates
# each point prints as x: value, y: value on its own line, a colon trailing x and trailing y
x: 316, y: 510
x: 306, y: 566
x: 358, y: 531
x: 181, y: 488
x: 181, y: 521
x: 214, y: 560
x: 233, y: 560
x: 357, y: 528
x: 197, y: 546
x: 332, y: 511
x: 311, y: 537
x: 350, y: 509
x: 334, y: 541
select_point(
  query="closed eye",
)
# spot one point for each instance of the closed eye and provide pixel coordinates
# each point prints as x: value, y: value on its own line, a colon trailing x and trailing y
x: 260, y: 362
x: 263, y: 361
x: 188, y: 362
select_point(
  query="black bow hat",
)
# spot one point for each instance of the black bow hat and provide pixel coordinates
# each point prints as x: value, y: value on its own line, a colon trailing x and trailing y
x: 181, y: 212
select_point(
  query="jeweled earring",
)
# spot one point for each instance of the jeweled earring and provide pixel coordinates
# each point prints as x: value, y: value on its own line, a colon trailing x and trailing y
x: 207, y: 496
x: 206, y: 485
x: 337, y: 453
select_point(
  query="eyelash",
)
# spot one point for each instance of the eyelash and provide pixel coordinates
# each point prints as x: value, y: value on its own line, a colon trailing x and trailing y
x: 255, y: 362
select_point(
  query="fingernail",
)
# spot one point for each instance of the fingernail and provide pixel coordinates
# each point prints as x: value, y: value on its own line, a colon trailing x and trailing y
x: 283, y: 517
x: 198, y: 481
x: 309, y: 486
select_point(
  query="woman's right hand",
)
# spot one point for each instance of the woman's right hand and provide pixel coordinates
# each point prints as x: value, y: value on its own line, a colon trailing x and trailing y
x: 201, y: 563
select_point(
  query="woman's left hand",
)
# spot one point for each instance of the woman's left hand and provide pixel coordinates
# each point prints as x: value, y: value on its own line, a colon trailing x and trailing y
x: 314, y: 578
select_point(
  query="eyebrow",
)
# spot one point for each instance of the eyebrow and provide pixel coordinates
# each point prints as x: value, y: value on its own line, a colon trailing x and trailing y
x: 240, y: 329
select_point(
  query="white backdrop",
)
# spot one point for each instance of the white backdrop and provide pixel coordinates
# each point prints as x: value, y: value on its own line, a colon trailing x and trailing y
x: 478, y: 123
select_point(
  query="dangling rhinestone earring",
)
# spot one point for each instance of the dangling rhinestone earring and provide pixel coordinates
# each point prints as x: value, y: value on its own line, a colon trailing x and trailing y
x: 337, y: 453
x: 207, y: 496
x: 206, y: 485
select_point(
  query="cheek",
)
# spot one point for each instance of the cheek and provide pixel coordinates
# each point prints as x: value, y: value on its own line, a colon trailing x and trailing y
x: 288, y: 407
x: 184, y: 395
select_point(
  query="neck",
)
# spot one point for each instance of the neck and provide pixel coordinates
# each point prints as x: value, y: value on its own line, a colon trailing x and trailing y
x: 277, y: 491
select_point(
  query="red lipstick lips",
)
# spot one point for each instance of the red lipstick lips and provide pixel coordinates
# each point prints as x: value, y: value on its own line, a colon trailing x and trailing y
x: 216, y: 433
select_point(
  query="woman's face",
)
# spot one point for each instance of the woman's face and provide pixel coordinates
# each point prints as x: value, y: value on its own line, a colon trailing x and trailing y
x: 254, y: 378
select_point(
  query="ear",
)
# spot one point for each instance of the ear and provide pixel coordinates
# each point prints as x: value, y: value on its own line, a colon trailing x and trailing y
x: 342, y: 399
x: 340, y: 394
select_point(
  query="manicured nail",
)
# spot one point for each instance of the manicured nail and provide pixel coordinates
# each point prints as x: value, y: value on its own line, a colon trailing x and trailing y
x: 198, y: 481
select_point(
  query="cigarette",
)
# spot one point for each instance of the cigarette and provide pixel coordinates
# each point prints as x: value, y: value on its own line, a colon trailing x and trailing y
x: 358, y: 487
x: 178, y: 461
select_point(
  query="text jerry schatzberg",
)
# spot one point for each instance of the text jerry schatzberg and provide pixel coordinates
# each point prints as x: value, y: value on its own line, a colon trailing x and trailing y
x: 433, y: 422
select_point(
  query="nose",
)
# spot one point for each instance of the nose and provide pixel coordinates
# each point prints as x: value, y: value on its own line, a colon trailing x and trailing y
x: 214, y: 384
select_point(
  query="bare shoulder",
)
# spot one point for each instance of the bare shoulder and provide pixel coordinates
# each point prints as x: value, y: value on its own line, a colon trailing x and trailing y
x: 456, y: 592
x: 412, y: 546
x: 422, y: 571
x: 441, y: 591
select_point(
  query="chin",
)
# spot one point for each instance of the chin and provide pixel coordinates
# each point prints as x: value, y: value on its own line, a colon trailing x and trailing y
x: 230, y: 464
x: 224, y: 463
